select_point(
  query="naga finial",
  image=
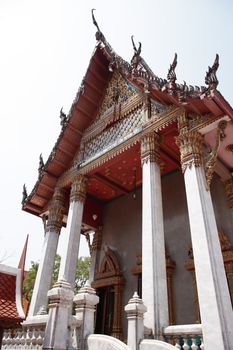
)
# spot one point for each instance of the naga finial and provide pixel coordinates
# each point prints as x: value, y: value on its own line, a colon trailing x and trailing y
x: 25, y: 195
x: 63, y: 117
x: 137, y: 52
x: 211, y: 78
x: 171, y: 75
x: 41, y: 165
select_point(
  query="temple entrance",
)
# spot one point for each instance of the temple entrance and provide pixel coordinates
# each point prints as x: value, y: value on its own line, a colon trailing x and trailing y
x: 105, y: 311
x: 109, y: 287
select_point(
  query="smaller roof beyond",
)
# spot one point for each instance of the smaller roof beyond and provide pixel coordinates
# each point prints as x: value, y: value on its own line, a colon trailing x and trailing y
x: 11, y: 311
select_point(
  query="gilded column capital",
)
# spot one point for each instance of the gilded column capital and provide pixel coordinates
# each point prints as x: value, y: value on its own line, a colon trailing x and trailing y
x: 191, y: 152
x: 150, y: 148
x: 56, y: 211
x: 228, y: 184
x: 78, y: 189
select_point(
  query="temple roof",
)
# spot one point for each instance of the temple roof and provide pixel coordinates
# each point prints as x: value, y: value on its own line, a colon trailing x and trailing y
x: 203, y: 101
x: 11, y: 312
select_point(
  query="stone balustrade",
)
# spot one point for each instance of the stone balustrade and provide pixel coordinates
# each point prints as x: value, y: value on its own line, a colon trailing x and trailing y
x: 185, y: 337
x: 23, y: 339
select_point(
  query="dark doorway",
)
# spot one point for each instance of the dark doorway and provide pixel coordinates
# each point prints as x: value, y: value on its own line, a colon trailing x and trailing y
x: 105, y: 310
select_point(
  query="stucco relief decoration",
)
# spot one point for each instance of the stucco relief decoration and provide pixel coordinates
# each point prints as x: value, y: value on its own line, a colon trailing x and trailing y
x: 190, y: 144
x: 78, y: 189
x: 56, y: 211
x: 150, y: 148
x: 117, y: 93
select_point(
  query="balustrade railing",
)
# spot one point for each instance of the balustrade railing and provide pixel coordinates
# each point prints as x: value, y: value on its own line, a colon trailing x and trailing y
x: 23, y: 339
x: 185, y: 337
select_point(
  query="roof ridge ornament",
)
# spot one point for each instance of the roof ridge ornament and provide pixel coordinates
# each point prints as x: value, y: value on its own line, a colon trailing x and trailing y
x: 211, y: 78
x: 25, y: 195
x: 171, y: 75
x: 41, y: 165
x: 137, y: 52
x: 63, y: 118
x: 99, y: 35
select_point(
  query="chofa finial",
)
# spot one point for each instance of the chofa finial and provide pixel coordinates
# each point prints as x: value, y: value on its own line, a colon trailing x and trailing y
x: 137, y: 52
x: 41, y: 165
x: 171, y: 75
x: 94, y: 20
x: 25, y: 195
x: 211, y: 78
x: 63, y: 118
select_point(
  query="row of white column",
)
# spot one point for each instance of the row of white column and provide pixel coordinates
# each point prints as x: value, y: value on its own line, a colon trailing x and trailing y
x: 213, y: 294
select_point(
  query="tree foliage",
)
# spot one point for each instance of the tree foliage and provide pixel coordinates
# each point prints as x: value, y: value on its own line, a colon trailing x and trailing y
x: 82, y: 274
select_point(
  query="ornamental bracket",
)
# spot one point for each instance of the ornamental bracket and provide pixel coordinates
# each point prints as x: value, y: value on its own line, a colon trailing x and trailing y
x: 211, y: 159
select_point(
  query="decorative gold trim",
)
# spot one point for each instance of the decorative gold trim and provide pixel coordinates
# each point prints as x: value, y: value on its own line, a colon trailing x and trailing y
x: 190, y: 144
x: 111, y: 275
x: 78, y: 189
x: 210, y: 163
x: 150, y: 148
x: 56, y: 211
x: 228, y: 184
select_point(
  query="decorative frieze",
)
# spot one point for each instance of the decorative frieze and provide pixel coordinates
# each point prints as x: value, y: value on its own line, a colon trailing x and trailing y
x: 78, y: 189
x: 191, y: 153
x: 56, y: 211
x: 150, y: 148
x: 229, y: 191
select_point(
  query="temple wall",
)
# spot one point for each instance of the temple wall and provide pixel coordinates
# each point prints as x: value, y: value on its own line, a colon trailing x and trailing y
x: 122, y: 233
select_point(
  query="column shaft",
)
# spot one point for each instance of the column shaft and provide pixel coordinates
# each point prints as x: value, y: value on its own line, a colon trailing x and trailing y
x: 213, y: 294
x: 69, y: 259
x: 154, y: 281
x: 46, y: 265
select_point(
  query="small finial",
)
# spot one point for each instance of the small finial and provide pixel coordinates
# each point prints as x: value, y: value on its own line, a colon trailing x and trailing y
x: 171, y: 75
x: 211, y: 78
x: 25, y: 195
x: 137, y: 52
x: 41, y: 165
x: 63, y: 118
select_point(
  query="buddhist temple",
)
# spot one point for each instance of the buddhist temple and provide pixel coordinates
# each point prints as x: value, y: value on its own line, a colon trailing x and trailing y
x: 143, y: 168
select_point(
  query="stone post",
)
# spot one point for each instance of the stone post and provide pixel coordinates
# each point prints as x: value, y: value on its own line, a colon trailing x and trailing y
x: 154, y: 280
x: 86, y: 301
x: 44, y: 274
x: 61, y: 295
x: 135, y: 310
x: 213, y: 294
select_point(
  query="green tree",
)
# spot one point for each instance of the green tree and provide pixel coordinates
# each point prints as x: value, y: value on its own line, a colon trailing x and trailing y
x: 82, y: 274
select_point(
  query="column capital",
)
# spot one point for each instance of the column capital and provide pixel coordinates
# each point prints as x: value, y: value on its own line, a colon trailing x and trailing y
x: 191, y: 153
x: 150, y: 148
x: 228, y: 184
x: 56, y: 211
x: 78, y: 189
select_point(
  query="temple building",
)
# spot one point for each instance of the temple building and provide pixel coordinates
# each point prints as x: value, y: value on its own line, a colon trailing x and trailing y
x: 146, y: 165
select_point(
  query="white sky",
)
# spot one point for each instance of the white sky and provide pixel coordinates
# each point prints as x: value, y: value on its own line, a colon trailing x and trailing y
x: 46, y: 46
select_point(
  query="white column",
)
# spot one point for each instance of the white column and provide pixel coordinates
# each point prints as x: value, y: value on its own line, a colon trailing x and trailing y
x: 154, y: 281
x: 69, y: 259
x: 44, y: 275
x: 61, y: 295
x: 213, y: 294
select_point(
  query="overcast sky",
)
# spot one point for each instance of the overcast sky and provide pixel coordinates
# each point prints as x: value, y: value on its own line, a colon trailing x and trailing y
x: 46, y: 46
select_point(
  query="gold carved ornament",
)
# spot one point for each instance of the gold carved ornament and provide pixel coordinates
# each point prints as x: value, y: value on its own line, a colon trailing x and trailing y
x: 228, y: 184
x: 78, y: 189
x: 150, y: 148
x: 191, y: 148
x: 56, y: 211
